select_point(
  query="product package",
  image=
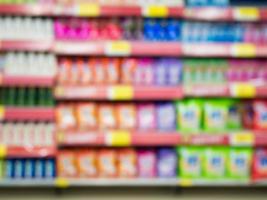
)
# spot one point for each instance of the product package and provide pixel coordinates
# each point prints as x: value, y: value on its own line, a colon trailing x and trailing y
x: 146, y: 116
x: 107, y: 163
x: 86, y: 164
x: 260, y: 164
x: 127, y: 116
x: 87, y: 116
x: 167, y: 162
x: 107, y: 117
x: 260, y: 114
x: 146, y: 162
x: 166, y: 116
x: 65, y: 117
x: 127, y: 163
x: 66, y: 164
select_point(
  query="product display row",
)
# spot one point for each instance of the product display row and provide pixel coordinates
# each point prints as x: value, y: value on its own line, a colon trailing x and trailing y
x: 29, y: 97
x: 28, y: 64
x: 189, y: 116
x: 27, y: 134
x: 148, y: 29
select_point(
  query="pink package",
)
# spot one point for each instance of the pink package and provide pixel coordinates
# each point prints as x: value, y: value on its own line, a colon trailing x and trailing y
x: 146, y: 116
x: 144, y: 73
x: 146, y: 163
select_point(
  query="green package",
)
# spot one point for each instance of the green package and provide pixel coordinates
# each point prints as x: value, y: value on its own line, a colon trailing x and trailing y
x: 189, y: 115
x: 239, y: 163
x: 234, y: 115
x: 190, y: 162
x: 215, y: 115
x: 1, y: 168
x: 215, y: 162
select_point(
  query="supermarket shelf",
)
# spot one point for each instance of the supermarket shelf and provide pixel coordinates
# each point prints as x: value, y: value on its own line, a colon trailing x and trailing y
x: 8, y: 45
x: 27, y: 81
x: 29, y: 152
x: 27, y: 183
x: 118, y: 92
x: 156, y: 138
x: 27, y: 113
x: 203, y: 13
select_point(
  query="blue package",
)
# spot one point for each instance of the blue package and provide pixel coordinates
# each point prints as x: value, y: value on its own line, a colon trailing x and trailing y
x: 161, y: 72
x: 50, y: 168
x: 167, y: 163
x: 19, y: 168
x: 29, y: 168
x: 174, y: 73
x: 10, y: 168
x: 166, y: 116
x: 39, y: 168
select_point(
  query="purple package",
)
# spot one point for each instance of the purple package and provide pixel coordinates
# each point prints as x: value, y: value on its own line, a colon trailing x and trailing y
x: 146, y: 163
x: 144, y: 72
x: 166, y: 117
x: 146, y: 116
x: 174, y: 75
x: 161, y: 72
x: 167, y: 163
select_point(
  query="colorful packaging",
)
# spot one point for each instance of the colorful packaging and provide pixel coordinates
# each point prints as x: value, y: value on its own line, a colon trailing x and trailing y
x: 247, y: 115
x: 215, y: 162
x: 66, y: 164
x: 50, y: 169
x: 65, y: 117
x: 30, y: 168
x: 127, y: 163
x: 99, y: 71
x: 86, y: 163
x: 260, y: 114
x: 190, y: 162
x: 128, y: 69
x: 260, y: 164
x: 107, y: 117
x: 39, y: 168
x: 239, y: 163
x: 144, y: 72
x: 112, y: 66
x: 234, y: 115
x: 167, y: 162
x: 189, y: 115
x: 215, y: 115
x: 166, y: 116
x: 87, y: 116
x: 10, y: 168
x: 127, y: 116
x: 107, y: 163
x: 19, y: 169
x: 146, y: 163
x: 64, y: 71
x: 87, y: 74
x: 174, y: 75
x: 146, y: 116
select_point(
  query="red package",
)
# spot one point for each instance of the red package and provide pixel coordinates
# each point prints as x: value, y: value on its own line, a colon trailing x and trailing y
x: 127, y: 163
x: 260, y: 114
x: 66, y: 164
x: 260, y: 164
x: 247, y: 114
x: 87, y: 116
x: 86, y: 163
x: 107, y: 117
x: 107, y: 163
x: 65, y: 117
x: 128, y: 69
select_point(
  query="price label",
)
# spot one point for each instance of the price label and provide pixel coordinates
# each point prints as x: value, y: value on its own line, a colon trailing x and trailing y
x: 243, y: 90
x: 2, y: 112
x: 118, y: 48
x: 3, y: 151
x: 121, y: 93
x: 118, y: 138
x: 244, y: 50
x: 61, y: 183
x: 186, y: 182
x: 247, y: 14
x: 88, y: 10
x: 155, y: 11
x: 243, y: 139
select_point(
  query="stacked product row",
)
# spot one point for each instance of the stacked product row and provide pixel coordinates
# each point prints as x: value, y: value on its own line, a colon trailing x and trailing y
x: 27, y: 134
x: 188, y: 116
x: 29, y: 97
x: 159, y: 71
x: 25, y: 28
x: 197, y: 163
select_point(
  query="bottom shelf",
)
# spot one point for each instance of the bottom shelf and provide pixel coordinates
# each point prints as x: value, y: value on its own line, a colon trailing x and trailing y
x: 153, y: 182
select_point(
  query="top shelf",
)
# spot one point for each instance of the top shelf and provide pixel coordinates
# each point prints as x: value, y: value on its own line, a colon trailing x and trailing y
x: 94, y: 10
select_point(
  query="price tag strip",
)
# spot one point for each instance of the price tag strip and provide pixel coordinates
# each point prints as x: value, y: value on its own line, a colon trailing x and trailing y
x: 120, y: 93
x: 242, y: 139
x: 246, y: 14
x: 155, y: 11
x: 243, y: 50
x: 118, y: 48
x: 243, y: 90
x: 87, y: 10
x: 118, y: 138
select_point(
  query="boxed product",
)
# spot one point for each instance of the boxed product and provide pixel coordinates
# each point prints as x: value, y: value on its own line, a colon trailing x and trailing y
x: 167, y: 162
x: 65, y: 117
x: 66, y: 164
x: 260, y: 164
x: 127, y: 163
x: 260, y: 114
x: 107, y: 116
x: 107, y: 163
x: 146, y: 116
x: 127, y: 116
x: 146, y: 163
x: 166, y: 116
x: 86, y: 163
x: 87, y: 116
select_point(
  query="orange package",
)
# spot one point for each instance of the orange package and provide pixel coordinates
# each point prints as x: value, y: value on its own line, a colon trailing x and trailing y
x: 64, y: 71
x: 66, y: 164
x: 107, y: 117
x: 107, y: 163
x: 99, y: 71
x: 75, y: 72
x: 86, y: 163
x: 128, y: 68
x: 87, y: 76
x: 65, y: 117
x: 87, y: 116
x: 127, y: 164
x: 112, y: 67
x: 127, y: 116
